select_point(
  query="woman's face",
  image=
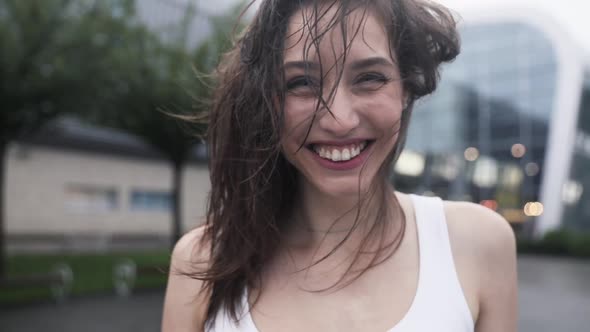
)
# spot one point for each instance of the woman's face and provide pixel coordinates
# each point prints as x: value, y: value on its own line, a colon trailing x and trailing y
x: 366, y: 105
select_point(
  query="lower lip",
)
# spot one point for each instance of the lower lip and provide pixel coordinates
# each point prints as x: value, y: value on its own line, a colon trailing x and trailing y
x: 343, y: 165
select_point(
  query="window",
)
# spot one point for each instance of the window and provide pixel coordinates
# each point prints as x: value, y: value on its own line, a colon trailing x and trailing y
x: 151, y: 200
x: 90, y: 199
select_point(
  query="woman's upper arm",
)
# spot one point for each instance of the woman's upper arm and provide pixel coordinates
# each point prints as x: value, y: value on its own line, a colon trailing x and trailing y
x: 184, y: 303
x: 498, y: 294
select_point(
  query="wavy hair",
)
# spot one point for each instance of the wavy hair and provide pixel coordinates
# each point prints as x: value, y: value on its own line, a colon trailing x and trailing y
x: 252, y: 183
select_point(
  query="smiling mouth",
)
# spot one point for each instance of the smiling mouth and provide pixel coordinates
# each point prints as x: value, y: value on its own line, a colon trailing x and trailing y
x: 340, y: 153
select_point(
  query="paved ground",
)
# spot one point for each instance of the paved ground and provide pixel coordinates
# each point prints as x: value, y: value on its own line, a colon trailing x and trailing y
x: 554, y: 296
x: 141, y: 313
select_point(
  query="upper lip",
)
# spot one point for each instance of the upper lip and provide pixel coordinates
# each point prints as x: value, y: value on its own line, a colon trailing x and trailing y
x: 345, y: 142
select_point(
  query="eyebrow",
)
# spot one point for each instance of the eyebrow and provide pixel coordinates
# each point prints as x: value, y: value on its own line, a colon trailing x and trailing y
x: 355, y: 66
x: 370, y: 62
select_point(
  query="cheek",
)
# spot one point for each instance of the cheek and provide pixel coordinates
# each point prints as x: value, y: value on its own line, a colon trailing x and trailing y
x: 297, y: 119
x: 384, y: 113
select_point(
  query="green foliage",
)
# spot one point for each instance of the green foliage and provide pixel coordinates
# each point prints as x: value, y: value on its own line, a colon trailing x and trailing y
x: 64, y: 56
x: 60, y: 56
x: 560, y: 242
x: 97, y: 60
x: 171, y: 82
x: 92, y: 273
x: 557, y: 241
x: 579, y: 245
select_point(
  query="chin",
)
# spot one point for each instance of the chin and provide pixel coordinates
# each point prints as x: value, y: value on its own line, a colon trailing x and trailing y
x: 336, y: 183
x: 341, y: 187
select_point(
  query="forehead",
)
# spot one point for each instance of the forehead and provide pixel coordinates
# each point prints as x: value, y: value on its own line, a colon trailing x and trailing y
x: 364, y: 35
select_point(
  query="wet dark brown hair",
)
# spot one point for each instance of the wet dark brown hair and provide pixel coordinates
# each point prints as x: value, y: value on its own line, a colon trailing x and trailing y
x: 252, y: 182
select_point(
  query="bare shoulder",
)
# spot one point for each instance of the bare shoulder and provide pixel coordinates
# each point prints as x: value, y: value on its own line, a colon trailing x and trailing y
x: 485, y: 239
x: 185, y: 304
x: 190, y: 249
x: 485, y: 230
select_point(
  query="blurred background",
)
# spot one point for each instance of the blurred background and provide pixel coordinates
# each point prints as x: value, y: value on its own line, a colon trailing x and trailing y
x: 97, y: 180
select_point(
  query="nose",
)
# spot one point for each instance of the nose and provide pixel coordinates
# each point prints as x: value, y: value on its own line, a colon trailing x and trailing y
x: 343, y: 117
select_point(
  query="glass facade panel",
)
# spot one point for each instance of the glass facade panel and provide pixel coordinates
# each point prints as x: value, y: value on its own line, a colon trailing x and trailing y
x: 495, y: 95
x: 576, y: 191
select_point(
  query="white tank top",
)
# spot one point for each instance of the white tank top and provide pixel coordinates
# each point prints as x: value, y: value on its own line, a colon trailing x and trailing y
x: 439, y: 303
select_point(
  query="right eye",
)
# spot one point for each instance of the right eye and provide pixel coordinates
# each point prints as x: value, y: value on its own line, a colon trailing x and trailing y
x: 301, y: 83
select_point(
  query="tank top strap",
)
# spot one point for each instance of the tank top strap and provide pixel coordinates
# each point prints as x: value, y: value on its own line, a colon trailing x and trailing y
x: 434, y: 244
x: 439, y: 274
x: 439, y: 304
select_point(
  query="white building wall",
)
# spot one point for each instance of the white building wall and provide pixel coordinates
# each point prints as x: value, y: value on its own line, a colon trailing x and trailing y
x: 38, y: 203
x: 195, y: 193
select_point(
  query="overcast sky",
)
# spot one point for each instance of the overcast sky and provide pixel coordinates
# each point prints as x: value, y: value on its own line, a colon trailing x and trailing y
x: 572, y: 15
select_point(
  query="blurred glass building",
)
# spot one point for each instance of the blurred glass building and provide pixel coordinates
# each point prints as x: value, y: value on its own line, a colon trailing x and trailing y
x: 509, y: 126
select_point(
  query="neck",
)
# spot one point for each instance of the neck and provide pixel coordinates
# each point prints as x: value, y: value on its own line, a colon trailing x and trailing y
x: 321, y: 221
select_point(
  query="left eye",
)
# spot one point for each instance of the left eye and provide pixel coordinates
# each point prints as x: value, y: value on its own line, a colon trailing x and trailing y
x: 372, y: 78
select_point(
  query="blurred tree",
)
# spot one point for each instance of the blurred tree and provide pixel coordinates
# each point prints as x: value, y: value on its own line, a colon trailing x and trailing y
x: 172, y: 85
x: 59, y: 56
x: 96, y: 59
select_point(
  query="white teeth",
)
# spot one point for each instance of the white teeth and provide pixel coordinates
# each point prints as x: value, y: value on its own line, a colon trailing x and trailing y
x: 342, y: 154
x: 345, y: 155
x: 336, y: 155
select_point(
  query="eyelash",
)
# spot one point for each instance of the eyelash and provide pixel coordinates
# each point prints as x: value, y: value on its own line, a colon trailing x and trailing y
x: 366, y: 78
x: 373, y: 77
x: 300, y: 81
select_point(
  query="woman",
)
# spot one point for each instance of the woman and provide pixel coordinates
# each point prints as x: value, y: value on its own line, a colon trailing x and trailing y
x: 304, y: 231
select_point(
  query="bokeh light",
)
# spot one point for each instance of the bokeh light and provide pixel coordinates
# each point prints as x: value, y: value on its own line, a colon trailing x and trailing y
x: 471, y: 154
x: 490, y: 204
x: 518, y: 150
x: 533, y: 209
x: 531, y: 169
